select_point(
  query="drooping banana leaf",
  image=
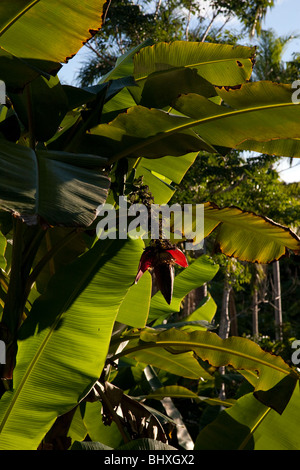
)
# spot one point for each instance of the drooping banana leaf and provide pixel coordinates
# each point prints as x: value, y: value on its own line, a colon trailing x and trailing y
x: 247, y: 236
x: 240, y: 353
x: 266, y: 113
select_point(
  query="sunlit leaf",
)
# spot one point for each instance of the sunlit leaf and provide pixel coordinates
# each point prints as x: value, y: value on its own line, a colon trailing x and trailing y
x: 64, y: 342
x: 250, y: 425
x: 240, y: 353
x: 220, y: 64
x: 135, y: 306
x: 57, y: 29
x: 183, y: 365
x: 247, y: 236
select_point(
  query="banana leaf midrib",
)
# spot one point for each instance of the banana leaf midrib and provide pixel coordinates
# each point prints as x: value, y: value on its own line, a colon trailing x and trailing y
x: 196, y: 64
x: 18, y: 16
x: 195, y: 345
x: 208, y: 211
x: 194, y: 123
x: 41, y: 348
x: 254, y: 427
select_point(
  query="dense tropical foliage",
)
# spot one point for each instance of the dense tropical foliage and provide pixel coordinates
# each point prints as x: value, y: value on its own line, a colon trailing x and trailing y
x: 93, y: 359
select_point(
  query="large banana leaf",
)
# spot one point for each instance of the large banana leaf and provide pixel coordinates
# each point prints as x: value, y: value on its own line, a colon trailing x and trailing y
x: 191, y: 67
x: 41, y: 34
x: 161, y: 173
x: 287, y: 147
x: 266, y: 113
x: 135, y: 306
x: 164, y: 71
x: 240, y: 353
x: 183, y: 365
x: 250, y: 425
x: 247, y: 236
x: 182, y: 64
x: 63, y: 343
x: 219, y: 64
x: 263, y: 109
x: 62, y: 188
x: 143, y: 132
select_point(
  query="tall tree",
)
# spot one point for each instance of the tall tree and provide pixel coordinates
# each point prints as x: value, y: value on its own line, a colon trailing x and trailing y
x: 127, y: 23
x: 270, y: 64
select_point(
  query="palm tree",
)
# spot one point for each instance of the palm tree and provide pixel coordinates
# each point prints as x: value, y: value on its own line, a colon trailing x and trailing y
x: 270, y: 64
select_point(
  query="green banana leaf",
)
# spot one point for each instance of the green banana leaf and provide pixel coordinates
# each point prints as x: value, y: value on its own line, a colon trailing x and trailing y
x: 124, y: 64
x: 42, y: 34
x: 192, y: 67
x: 143, y: 132
x: 177, y: 391
x: 183, y: 365
x: 64, y: 341
x: 184, y: 65
x: 219, y: 64
x: 256, y: 108
x: 153, y: 133
x: 287, y: 147
x: 135, y: 307
x: 77, y: 430
x: 160, y: 174
x: 240, y: 353
x: 250, y: 425
x: 247, y: 236
x: 62, y: 188
x: 3, y: 244
x: 96, y: 429
x: 203, y: 314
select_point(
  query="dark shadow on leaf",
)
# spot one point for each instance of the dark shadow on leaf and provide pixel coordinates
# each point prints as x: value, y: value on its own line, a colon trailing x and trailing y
x: 278, y: 396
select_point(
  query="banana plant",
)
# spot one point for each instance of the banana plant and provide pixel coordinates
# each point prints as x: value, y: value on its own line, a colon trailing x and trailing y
x: 70, y: 309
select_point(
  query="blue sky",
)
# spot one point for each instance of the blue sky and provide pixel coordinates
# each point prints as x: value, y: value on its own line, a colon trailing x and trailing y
x: 284, y: 18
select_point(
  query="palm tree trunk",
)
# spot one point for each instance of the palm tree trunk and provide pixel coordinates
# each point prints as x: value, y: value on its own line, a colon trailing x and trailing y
x: 232, y: 313
x: 224, y: 327
x: 255, y: 312
x: 277, y: 301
